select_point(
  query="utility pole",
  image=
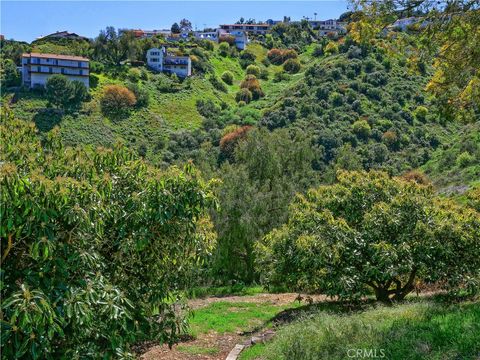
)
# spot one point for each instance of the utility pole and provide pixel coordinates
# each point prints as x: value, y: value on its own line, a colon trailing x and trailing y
x: 315, y: 16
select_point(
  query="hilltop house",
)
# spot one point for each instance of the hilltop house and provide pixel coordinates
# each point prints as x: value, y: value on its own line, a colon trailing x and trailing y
x: 325, y: 27
x: 37, y: 68
x: 139, y: 33
x: 160, y: 60
x: 250, y: 28
x: 240, y: 36
x: 63, y: 35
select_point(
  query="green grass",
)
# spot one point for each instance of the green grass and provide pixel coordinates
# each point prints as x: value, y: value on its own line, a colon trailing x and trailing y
x: 417, y: 330
x: 230, y: 317
x: 197, y: 350
x: 238, y: 290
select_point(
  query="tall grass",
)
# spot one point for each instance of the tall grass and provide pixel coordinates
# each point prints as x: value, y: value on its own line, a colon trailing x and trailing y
x: 422, y: 330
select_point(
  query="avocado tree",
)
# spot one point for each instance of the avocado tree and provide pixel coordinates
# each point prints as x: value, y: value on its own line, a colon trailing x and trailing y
x: 96, y: 246
x: 370, y: 232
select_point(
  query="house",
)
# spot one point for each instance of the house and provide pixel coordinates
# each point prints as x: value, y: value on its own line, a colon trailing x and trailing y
x: 139, y: 33
x: 206, y: 35
x: 160, y: 60
x: 37, y: 68
x: 63, y: 35
x: 241, y: 38
x: 325, y: 27
x: 250, y: 28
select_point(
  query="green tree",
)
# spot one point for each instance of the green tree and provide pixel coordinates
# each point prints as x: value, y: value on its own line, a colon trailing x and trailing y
x: 175, y: 29
x: 9, y: 75
x: 112, y: 47
x: 267, y: 170
x: 372, y: 232
x: 253, y: 70
x: 96, y: 246
x: 227, y: 77
x: 65, y: 94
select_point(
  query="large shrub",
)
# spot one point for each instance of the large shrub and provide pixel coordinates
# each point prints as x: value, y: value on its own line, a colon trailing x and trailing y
x: 370, y: 232
x: 291, y: 66
x: 227, y: 77
x: 117, y: 100
x: 253, y: 85
x: 253, y: 70
x: 279, y: 56
x: 65, y: 94
x: 96, y: 247
x: 244, y: 95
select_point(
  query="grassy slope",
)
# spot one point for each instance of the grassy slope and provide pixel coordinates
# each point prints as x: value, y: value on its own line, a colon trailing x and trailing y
x: 417, y: 330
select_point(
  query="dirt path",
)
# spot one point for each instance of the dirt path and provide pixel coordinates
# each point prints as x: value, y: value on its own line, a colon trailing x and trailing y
x: 214, y: 346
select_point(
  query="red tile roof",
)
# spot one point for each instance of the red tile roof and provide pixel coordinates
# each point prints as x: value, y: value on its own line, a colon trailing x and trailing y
x: 55, y: 56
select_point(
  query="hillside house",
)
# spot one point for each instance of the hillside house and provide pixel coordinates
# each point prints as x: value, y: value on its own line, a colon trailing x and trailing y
x: 63, y: 35
x: 141, y: 34
x: 37, y: 68
x: 325, y: 27
x: 260, y: 29
x: 159, y: 60
x: 241, y: 37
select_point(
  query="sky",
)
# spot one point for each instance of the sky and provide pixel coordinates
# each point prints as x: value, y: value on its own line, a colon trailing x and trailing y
x: 28, y: 20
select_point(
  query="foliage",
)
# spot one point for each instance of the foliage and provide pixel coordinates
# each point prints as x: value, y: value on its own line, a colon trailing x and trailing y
x: 279, y: 56
x: 253, y: 70
x: 63, y: 93
x: 267, y: 169
x: 112, y: 47
x: 370, y: 231
x: 291, y: 66
x: 253, y: 85
x: 117, y: 100
x: 417, y: 329
x: 447, y: 30
x: 227, y: 77
x: 244, y: 95
x: 9, y: 75
x: 223, y: 49
x: 96, y: 247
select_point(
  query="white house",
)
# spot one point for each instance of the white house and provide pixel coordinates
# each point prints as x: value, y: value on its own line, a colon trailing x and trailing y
x: 37, y: 68
x: 159, y: 60
x: 329, y: 26
x: 241, y: 38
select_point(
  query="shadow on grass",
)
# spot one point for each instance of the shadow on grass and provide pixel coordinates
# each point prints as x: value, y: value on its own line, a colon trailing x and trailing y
x: 47, y: 119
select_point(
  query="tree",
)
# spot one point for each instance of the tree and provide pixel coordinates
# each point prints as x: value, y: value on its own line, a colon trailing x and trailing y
x: 267, y: 170
x: 9, y: 75
x: 362, y: 129
x: 244, y: 95
x: 97, y: 246
x: 175, y: 29
x: 291, y: 66
x: 117, y: 100
x: 253, y: 70
x: 223, y: 49
x: 112, y: 47
x: 370, y: 231
x: 185, y: 25
x: 65, y: 94
x: 227, y: 77
x: 253, y: 85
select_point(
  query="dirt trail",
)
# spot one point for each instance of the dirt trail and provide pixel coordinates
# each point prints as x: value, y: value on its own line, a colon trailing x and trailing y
x: 222, y: 342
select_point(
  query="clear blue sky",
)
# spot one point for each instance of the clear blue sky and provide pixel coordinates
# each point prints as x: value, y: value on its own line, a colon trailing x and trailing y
x: 27, y: 20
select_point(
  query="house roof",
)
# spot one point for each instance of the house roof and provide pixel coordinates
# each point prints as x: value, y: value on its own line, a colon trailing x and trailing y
x: 54, y: 56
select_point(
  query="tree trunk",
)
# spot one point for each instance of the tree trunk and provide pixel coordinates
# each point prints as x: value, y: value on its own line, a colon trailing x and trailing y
x: 386, y: 295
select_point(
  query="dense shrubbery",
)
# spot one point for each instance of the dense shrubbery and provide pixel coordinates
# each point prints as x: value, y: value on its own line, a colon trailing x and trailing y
x: 227, y: 77
x: 65, y: 94
x: 279, y: 56
x: 117, y: 100
x: 96, y: 247
x: 369, y: 231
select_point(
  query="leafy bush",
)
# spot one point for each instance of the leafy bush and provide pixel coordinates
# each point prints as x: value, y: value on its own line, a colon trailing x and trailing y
x: 465, y: 159
x: 141, y: 94
x: 244, y: 95
x: 9, y: 75
x: 362, y: 129
x: 370, y: 231
x: 217, y: 83
x: 253, y: 70
x: 421, y: 113
x: 279, y: 56
x: 117, y: 100
x: 253, y: 85
x: 246, y: 58
x: 65, y: 94
x: 227, y: 77
x: 291, y: 66
x: 223, y: 49
x: 134, y: 74
x: 331, y: 48
x: 80, y: 279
